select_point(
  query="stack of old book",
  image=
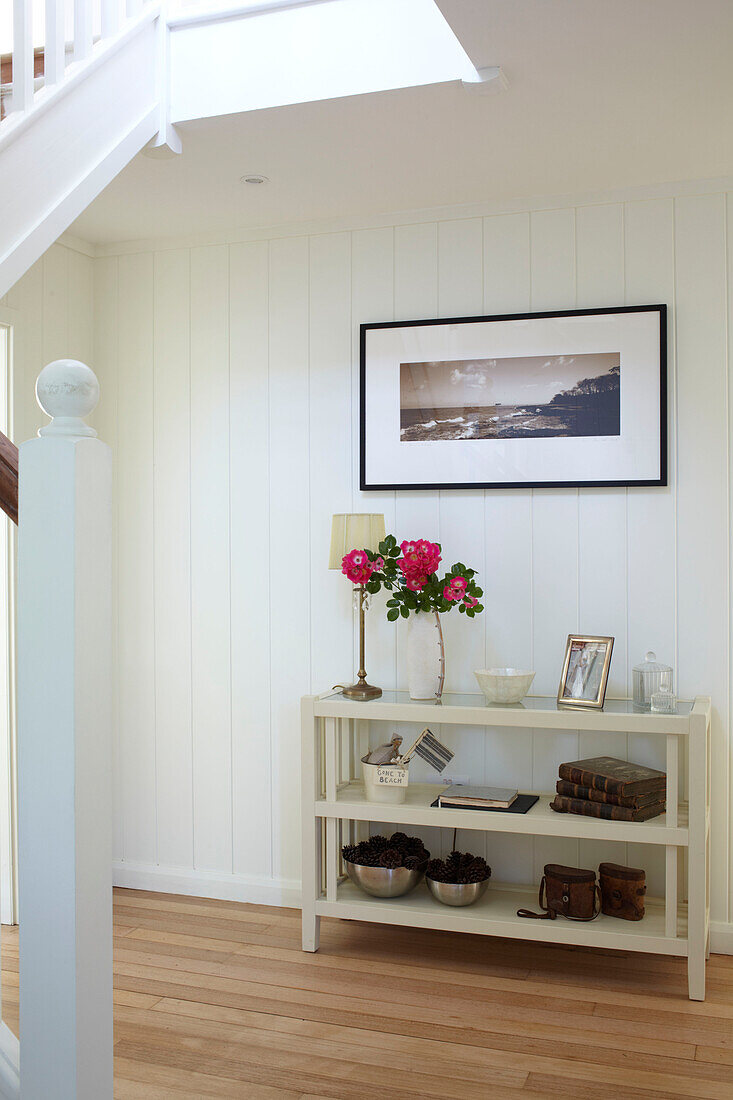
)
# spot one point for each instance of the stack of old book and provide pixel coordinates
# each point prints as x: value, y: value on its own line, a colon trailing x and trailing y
x: 614, y: 789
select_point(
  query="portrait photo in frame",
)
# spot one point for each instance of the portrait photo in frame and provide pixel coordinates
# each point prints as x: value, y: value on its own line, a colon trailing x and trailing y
x: 585, y: 671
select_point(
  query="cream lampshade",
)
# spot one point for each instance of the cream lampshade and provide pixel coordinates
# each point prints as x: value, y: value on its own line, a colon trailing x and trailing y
x: 357, y: 531
x: 354, y: 531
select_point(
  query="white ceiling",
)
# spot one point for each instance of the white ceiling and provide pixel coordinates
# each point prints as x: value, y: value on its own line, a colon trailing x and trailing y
x: 602, y: 94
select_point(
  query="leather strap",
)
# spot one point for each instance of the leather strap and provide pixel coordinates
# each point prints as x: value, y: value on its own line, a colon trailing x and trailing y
x: 550, y: 914
x: 546, y: 914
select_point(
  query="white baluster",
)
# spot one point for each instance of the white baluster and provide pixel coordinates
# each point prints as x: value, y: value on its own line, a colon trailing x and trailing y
x: 64, y: 746
x: 82, y: 29
x: 134, y: 7
x: 22, y: 55
x: 110, y: 17
x: 55, y: 47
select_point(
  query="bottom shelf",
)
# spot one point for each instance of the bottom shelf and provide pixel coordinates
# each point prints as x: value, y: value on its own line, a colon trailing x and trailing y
x: 496, y: 915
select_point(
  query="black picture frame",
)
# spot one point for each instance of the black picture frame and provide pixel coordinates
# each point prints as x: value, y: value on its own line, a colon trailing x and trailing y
x: 659, y: 308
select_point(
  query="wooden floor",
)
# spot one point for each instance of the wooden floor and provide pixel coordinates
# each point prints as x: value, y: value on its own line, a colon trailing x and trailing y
x: 216, y: 999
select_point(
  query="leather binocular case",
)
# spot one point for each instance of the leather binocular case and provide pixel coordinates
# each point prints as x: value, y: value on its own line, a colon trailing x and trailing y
x: 566, y: 892
x: 622, y: 891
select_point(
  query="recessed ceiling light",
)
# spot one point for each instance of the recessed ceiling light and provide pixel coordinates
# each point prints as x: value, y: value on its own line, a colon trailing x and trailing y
x: 254, y: 178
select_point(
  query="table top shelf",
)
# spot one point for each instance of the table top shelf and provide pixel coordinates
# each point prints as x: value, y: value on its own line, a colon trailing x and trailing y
x: 540, y: 820
x: 535, y: 712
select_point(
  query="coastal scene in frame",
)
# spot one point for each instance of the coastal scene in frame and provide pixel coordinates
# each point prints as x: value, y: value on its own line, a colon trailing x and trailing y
x: 514, y: 397
x: 556, y: 399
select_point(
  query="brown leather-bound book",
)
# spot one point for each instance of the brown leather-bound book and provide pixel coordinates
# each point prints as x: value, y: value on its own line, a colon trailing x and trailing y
x: 610, y: 813
x: 634, y: 802
x: 606, y: 773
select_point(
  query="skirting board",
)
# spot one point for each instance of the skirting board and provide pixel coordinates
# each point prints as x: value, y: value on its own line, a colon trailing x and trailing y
x: 206, y: 884
x: 721, y: 937
x: 282, y: 892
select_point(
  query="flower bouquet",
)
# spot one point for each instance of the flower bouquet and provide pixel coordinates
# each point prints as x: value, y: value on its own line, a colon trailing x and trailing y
x: 409, y: 572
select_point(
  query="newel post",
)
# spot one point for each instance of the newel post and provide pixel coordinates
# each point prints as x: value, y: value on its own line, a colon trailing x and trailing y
x: 64, y: 746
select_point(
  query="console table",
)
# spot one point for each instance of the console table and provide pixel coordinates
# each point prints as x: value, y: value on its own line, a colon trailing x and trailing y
x: 335, y: 735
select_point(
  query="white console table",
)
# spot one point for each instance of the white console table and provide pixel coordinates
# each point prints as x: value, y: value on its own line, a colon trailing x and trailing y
x: 335, y: 811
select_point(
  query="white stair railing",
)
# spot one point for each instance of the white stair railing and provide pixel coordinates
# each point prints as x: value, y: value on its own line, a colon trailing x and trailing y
x: 64, y: 751
x: 93, y: 22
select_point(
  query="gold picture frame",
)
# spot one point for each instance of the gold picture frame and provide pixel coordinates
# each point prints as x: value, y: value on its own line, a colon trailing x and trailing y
x: 585, y: 671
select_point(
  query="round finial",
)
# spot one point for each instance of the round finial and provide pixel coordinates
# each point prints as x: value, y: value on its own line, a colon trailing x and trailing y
x: 67, y: 391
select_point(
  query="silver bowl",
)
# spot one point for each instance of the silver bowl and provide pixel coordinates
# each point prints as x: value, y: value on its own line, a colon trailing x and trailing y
x: 383, y: 882
x: 457, y: 893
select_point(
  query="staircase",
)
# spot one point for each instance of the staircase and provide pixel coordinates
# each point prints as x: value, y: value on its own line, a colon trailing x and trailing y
x: 74, y: 114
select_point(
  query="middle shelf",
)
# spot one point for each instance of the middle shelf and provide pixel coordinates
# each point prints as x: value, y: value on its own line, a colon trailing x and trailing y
x: 351, y: 804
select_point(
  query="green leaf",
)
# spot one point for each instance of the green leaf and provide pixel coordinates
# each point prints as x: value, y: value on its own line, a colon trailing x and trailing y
x: 462, y: 608
x: 393, y: 614
x: 392, y: 603
x: 404, y: 613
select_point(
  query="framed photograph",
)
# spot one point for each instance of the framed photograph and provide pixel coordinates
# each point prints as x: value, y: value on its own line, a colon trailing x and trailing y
x: 585, y: 671
x: 568, y: 398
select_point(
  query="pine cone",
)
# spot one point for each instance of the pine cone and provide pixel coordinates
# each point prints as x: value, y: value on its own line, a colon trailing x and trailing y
x: 414, y: 863
x: 349, y: 853
x: 379, y: 843
x: 391, y: 857
x: 399, y: 840
x: 369, y: 859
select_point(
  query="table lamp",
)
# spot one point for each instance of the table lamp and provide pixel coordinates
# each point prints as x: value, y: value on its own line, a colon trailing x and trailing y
x: 357, y: 531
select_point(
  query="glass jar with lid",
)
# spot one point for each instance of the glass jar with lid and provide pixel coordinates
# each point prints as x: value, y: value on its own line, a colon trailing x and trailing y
x: 648, y: 677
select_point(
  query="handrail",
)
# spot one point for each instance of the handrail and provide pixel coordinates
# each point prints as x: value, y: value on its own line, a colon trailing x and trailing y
x: 8, y: 478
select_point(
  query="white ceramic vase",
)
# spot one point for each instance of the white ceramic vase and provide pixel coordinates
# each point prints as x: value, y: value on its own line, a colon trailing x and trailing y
x: 425, y: 655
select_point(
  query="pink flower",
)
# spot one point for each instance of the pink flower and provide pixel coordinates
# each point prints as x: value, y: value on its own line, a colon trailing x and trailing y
x: 378, y: 565
x: 459, y: 584
x: 450, y: 593
x: 357, y: 567
x: 418, y: 562
x: 470, y: 601
x: 415, y: 582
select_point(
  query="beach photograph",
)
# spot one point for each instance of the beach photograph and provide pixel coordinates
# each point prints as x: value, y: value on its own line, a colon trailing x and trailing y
x: 531, y: 397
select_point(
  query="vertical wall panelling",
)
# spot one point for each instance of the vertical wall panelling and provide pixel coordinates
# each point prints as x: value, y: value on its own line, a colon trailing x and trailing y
x: 651, y: 542
x: 106, y: 346
x: 210, y: 560
x: 332, y: 635
x: 554, y: 529
x: 507, y: 620
x: 417, y: 514
x: 290, y: 566
x: 647, y: 565
x: 136, y: 591
x: 372, y: 299
x: 729, y: 244
x: 172, y: 495
x: 80, y: 306
x: 461, y: 514
x: 55, y: 303
x: 250, y: 558
x: 702, y: 527
x: 602, y: 579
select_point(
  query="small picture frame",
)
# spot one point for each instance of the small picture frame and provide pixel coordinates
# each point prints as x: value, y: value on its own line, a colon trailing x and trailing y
x: 585, y: 671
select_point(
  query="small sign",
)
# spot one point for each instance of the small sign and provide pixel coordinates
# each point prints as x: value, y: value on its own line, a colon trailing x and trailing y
x: 391, y: 776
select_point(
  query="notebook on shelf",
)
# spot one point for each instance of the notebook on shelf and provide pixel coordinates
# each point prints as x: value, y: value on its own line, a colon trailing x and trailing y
x: 477, y: 798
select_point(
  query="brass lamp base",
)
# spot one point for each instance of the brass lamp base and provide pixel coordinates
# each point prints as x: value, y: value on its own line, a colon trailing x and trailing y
x: 362, y: 691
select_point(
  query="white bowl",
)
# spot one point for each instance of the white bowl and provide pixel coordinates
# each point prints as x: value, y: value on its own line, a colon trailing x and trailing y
x: 504, y: 685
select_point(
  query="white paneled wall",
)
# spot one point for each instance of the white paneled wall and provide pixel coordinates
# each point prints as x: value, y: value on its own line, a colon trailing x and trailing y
x: 230, y: 392
x: 50, y: 310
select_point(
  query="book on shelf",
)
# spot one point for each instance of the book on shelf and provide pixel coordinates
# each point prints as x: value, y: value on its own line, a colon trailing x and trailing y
x: 606, y: 811
x: 606, y: 773
x: 477, y: 798
x: 634, y: 801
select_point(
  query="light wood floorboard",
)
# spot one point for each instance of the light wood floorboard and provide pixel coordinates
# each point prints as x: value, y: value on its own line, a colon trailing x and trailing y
x: 215, y: 998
